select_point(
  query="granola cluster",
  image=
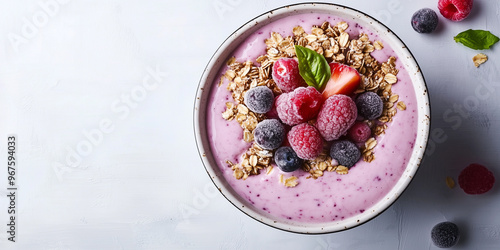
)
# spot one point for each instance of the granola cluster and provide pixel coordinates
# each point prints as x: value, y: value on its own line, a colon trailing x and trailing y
x: 335, y: 44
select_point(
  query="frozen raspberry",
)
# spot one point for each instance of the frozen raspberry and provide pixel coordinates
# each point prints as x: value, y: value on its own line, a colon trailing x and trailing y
x: 345, y: 153
x: 305, y: 141
x: 259, y: 99
x: 269, y: 134
x: 424, y: 20
x: 370, y: 105
x: 455, y: 10
x: 476, y: 179
x: 301, y: 105
x: 336, y: 116
x: 287, y: 160
x: 445, y: 234
x: 286, y: 74
x: 359, y: 132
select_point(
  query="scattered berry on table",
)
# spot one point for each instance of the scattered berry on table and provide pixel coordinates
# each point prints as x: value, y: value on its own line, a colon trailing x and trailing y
x: 345, y: 152
x: 306, y: 141
x: 445, y: 234
x: 336, y: 116
x: 269, y: 134
x: 370, y: 105
x: 424, y: 20
x: 286, y: 74
x: 344, y: 80
x: 455, y: 10
x: 298, y: 106
x: 476, y: 179
x: 287, y: 160
x: 259, y: 99
x: 359, y: 132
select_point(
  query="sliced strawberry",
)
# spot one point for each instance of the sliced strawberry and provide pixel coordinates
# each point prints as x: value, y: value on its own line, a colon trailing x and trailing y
x: 344, y: 80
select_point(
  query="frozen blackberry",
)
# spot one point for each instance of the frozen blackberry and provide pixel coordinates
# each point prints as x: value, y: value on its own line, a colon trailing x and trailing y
x: 445, y: 234
x: 370, y: 105
x: 269, y: 134
x: 345, y: 153
x: 424, y: 20
x: 287, y: 160
x: 259, y: 99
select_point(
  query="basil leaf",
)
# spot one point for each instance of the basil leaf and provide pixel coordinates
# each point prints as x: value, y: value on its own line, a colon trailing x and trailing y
x: 313, y: 67
x: 476, y: 39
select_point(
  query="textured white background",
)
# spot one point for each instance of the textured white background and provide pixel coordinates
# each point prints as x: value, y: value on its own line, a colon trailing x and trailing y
x: 107, y: 161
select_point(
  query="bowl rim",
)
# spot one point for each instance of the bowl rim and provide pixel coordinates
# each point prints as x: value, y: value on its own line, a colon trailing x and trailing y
x: 399, y: 187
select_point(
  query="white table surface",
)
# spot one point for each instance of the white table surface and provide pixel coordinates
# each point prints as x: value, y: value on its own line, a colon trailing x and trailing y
x: 72, y: 79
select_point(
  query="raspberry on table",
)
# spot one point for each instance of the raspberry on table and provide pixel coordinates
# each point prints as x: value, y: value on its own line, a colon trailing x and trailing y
x: 336, y: 116
x: 306, y: 141
x: 476, y: 179
x: 424, y: 20
x: 301, y: 105
x: 286, y: 74
x: 345, y: 153
x: 445, y: 234
x: 259, y: 99
x: 455, y: 10
x: 359, y: 132
x: 287, y: 160
x: 269, y: 134
x: 370, y: 105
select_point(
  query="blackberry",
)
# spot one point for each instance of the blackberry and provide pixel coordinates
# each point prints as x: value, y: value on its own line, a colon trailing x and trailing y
x: 424, y: 20
x: 259, y: 99
x: 370, y: 105
x: 445, y: 234
x: 345, y: 153
x: 269, y: 134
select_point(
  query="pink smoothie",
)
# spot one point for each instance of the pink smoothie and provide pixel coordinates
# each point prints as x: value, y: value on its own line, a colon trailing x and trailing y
x: 332, y: 197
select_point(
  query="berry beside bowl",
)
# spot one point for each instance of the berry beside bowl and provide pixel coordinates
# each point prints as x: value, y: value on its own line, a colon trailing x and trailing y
x: 312, y: 118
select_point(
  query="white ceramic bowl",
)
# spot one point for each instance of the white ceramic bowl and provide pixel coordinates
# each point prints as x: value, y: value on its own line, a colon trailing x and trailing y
x: 211, y: 74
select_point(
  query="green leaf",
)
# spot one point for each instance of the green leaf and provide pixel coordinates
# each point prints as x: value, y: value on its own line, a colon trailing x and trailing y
x: 476, y: 39
x: 313, y: 67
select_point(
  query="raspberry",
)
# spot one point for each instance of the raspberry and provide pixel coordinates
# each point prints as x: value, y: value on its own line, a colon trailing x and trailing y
x: 287, y: 160
x: 345, y: 153
x: 301, y: 105
x: 269, y: 134
x: 286, y: 74
x: 305, y: 141
x: 336, y: 116
x: 455, y: 10
x: 445, y: 234
x: 259, y: 99
x: 359, y: 132
x: 424, y: 20
x: 476, y: 179
x: 370, y: 105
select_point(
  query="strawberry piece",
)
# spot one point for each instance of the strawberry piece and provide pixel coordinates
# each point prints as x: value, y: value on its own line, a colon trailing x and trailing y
x: 344, y: 80
x: 455, y: 10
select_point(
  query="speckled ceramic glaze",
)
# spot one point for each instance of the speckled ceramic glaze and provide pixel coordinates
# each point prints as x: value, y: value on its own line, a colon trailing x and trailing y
x: 212, y: 73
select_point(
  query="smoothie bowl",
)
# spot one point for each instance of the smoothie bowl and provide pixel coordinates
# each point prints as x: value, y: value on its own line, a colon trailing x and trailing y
x: 312, y: 118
